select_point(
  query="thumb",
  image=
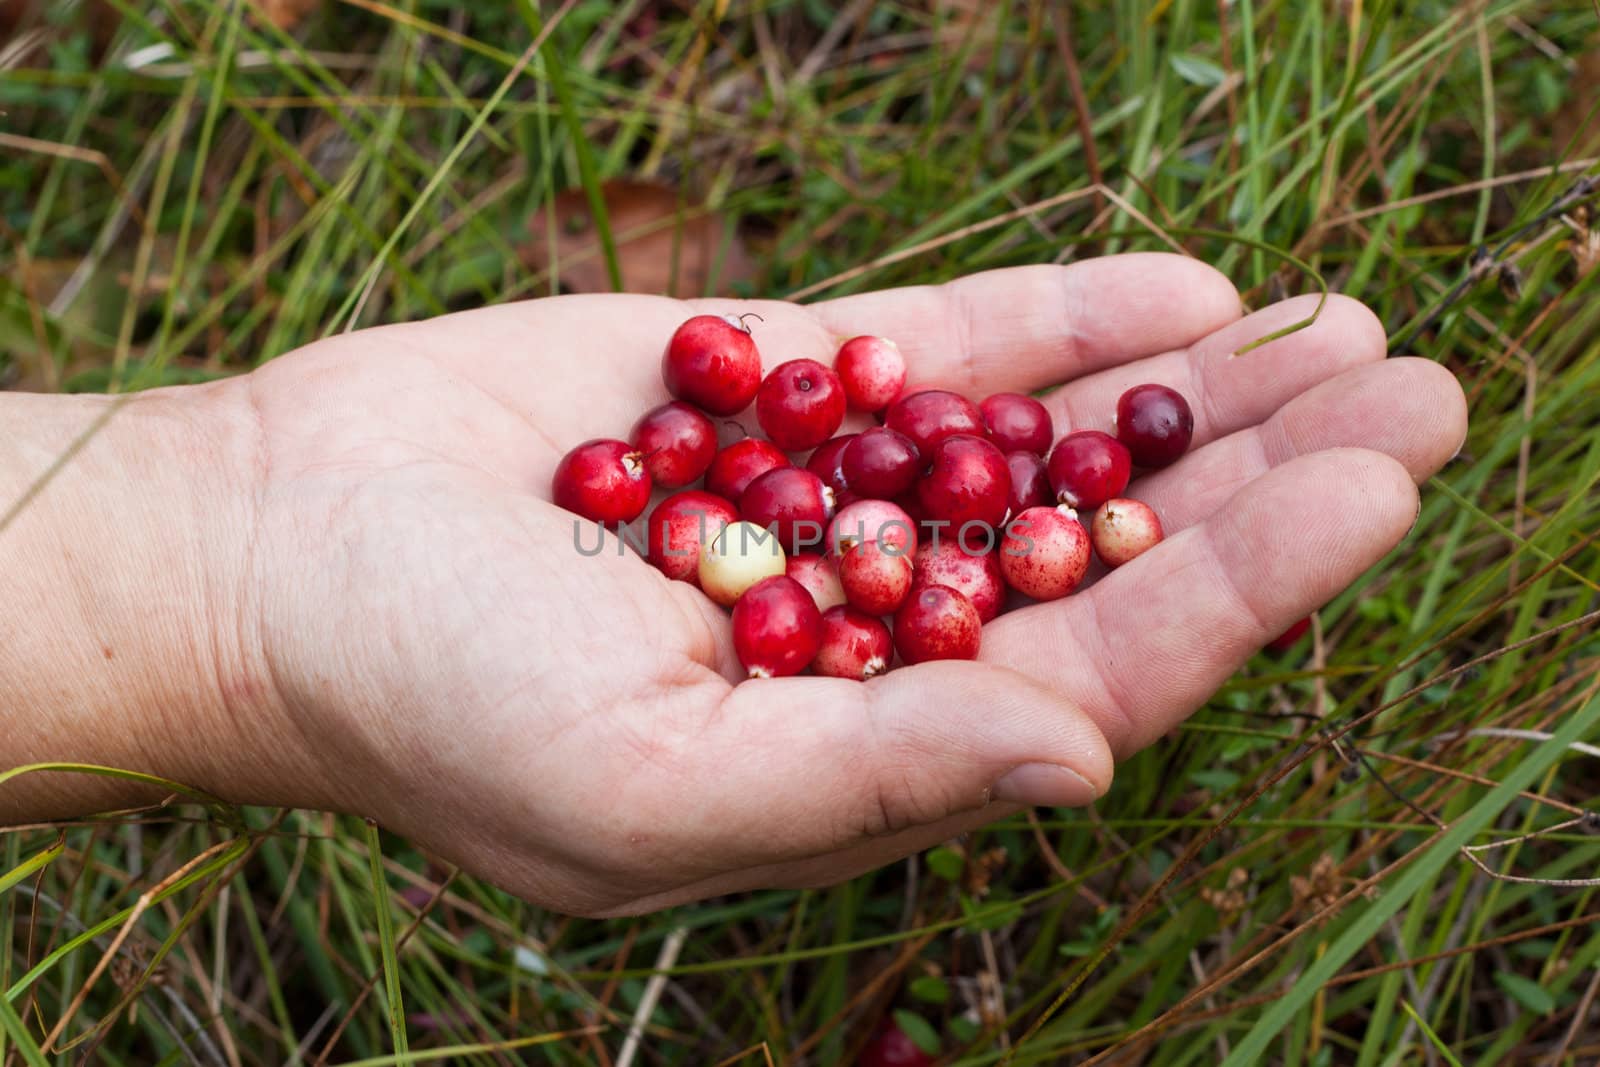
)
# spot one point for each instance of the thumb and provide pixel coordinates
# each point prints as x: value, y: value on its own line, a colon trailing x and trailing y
x: 807, y: 766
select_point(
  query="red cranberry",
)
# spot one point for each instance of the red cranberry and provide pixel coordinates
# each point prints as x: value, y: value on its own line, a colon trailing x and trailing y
x: 800, y: 404
x: 678, y: 443
x: 1045, y: 553
x: 1088, y: 468
x: 936, y: 622
x: 880, y: 463
x: 712, y: 363
x: 1123, y: 530
x: 820, y: 576
x: 602, y: 480
x: 777, y: 628
x: 679, y: 526
x: 1290, y: 637
x: 854, y: 645
x: 1018, y: 423
x: 1030, y: 482
x: 741, y: 463
x: 792, y: 502
x: 892, y: 1047
x: 975, y: 575
x: 827, y: 463
x: 872, y: 371
x: 930, y: 416
x: 967, y: 482
x: 871, y: 520
x: 1155, y: 423
x: 875, y: 581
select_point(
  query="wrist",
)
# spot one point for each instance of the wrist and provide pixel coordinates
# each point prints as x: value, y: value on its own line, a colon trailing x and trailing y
x: 124, y: 639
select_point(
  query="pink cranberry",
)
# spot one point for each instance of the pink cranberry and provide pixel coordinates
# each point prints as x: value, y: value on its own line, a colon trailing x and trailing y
x: 1155, y: 423
x: 820, y: 576
x: 871, y: 520
x: 975, y: 575
x: 602, y: 480
x: 880, y: 463
x: 1088, y: 468
x: 875, y: 580
x: 854, y: 645
x: 967, y: 482
x: 800, y: 404
x: 930, y: 416
x: 678, y: 443
x: 679, y: 526
x: 712, y: 363
x: 1018, y: 423
x: 777, y: 628
x: 1030, y: 483
x: 791, y: 502
x: 1290, y: 637
x: 872, y: 371
x: 1123, y: 530
x: 827, y: 463
x: 1045, y: 553
x: 936, y: 622
x: 741, y: 463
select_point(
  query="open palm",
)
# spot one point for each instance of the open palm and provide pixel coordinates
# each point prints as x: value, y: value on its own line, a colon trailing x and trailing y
x: 435, y: 653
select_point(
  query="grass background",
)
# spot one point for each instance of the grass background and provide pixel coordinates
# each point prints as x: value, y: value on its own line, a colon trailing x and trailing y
x: 1371, y: 850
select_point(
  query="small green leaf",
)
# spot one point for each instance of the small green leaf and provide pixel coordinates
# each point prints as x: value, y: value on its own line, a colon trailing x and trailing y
x: 1525, y: 991
x: 931, y: 989
x: 1214, y: 779
x: 1197, y: 71
x: 946, y: 863
x: 919, y: 1030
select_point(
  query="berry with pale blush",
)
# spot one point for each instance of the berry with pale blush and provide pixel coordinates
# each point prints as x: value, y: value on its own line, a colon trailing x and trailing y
x: 712, y: 363
x: 872, y: 371
x: 881, y: 463
x: 975, y: 575
x: 936, y: 622
x: 820, y: 576
x: 854, y: 645
x: 967, y: 481
x: 932, y: 415
x: 790, y: 501
x: 1088, y: 467
x: 602, y: 480
x: 875, y: 580
x: 1123, y: 530
x: 871, y: 520
x: 800, y: 404
x: 677, y: 441
x: 777, y: 628
x: 1045, y: 553
x: 1018, y: 423
x: 741, y: 463
x: 679, y: 528
x: 1155, y: 423
x: 737, y: 558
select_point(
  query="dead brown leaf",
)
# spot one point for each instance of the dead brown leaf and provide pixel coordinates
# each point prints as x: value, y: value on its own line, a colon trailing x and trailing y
x: 287, y: 14
x: 663, y: 246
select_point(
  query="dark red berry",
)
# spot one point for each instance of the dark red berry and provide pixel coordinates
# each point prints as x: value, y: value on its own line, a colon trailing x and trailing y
x: 741, y: 463
x: 932, y: 415
x: 677, y: 441
x: 827, y: 463
x: 1290, y: 637
x: 1018, y: 423
x: 790, y: 501
x: 892, y: 1047
x: 777, y: 628
x: 1088, y: 468
x: 936, y: 622
x: 712, y: 363
x: 602, y: 480
x: 967, y: 482
x: 1155, y: 423
x: 679, y: 526
x: 1030, y: 482
x: 880, y: 463
x: 800, y: 404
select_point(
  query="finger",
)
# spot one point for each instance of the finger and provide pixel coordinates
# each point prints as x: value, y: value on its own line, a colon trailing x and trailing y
x: 792, y: 769
x: 1155, y: 638
x: 1227, y: 392
x: 1410, y: 409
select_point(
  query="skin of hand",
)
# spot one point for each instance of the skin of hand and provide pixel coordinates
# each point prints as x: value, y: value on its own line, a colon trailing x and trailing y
x: 338, y: 582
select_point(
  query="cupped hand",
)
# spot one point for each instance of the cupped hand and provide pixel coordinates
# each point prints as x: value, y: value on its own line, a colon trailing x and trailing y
x: 429, y: 648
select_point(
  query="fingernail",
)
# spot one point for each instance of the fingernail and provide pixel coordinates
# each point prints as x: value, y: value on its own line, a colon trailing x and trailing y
x: 1044, y: 785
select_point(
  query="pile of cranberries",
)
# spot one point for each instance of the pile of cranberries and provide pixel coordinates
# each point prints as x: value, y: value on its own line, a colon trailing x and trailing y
x: 928, y: 518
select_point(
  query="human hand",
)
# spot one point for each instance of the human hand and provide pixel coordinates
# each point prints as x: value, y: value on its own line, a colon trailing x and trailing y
x: 422, y: 643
